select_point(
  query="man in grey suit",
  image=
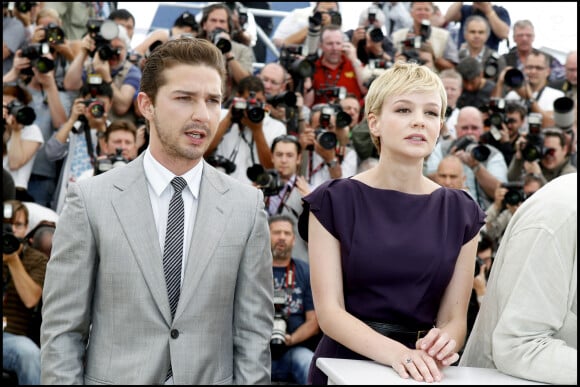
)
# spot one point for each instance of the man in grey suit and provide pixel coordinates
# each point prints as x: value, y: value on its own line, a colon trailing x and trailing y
x: 107, y: 317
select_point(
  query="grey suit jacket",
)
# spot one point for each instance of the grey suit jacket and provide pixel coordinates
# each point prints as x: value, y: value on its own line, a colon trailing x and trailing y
x: 106, y: 317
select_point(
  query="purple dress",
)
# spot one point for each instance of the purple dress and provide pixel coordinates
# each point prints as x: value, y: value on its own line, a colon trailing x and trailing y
x: 398, y: 251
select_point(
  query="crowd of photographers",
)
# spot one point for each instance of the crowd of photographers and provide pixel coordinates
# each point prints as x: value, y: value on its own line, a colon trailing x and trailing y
x: 71, y: 74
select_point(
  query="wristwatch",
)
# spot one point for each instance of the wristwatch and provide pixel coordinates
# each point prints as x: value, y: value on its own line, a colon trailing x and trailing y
x: 332, y: 163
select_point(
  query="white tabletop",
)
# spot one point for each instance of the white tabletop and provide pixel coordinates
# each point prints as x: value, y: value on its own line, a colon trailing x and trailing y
x: 364, y: 372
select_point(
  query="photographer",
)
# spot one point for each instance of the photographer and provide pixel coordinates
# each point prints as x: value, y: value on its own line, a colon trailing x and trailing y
x: 283, y: 104
x: 326, y: 157
x: 245, y: 132
x: 217, y: 26
x: 444, y: 47
x: 546, y: 154
x: 508, y: 198
x: 293, y: 28
x: 369, y: 39
x: 530, y: 86
x: 13, y: 35
x: 286, y: 157
x: 22, y: 138
x: 119, y: 148
x: 77, y: 141
x: 296, y: 328
x: 337, y: 67
x: 484, y: 165
x: 23, y: 272
x: 104, y: 54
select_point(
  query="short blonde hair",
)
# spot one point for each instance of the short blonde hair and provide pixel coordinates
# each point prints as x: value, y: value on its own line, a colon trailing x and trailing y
x: 402, y: 78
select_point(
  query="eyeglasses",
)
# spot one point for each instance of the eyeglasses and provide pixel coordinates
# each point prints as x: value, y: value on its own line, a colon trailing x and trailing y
x: 537, y: 68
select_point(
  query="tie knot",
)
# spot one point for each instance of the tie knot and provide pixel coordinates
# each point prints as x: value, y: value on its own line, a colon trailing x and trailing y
x: 178, y: 184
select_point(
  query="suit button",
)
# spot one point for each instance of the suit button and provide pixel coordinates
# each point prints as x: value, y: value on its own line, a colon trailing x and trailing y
x: 174, y: 333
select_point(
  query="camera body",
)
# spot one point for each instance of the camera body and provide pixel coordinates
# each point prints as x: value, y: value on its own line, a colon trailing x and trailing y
x: 220, y: 162
x: 103, y: 31
x: 24, y: 114
x: 515, y: 193
x: 268, y: 180
x: 219, y: 41
x: 479, y: 152
x: 278, y: 337
x: 254, y: 109
x: 10, y: 243
x: 53, y: 34
x: 332, y: 94
x: 298, y: 67
x: 534, y: 148
x: 110, y: 162
x: 491, y: 65
x: 286, y: 98
x: 36, y: 53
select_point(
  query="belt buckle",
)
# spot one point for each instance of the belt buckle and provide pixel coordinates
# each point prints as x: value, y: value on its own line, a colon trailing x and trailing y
x: 419, y: 333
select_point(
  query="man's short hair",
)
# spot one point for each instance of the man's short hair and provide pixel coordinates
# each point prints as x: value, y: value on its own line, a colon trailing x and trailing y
x: 469, y: 68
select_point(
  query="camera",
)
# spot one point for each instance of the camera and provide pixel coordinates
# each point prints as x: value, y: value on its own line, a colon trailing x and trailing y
x: 480, y: 152
x: 220, y: 162
x: 103, y: 31
x: 287, y: 98
x: 514, y: 78
x: 490, y: 67
x: 254, y: 109
x: 220, y: 42
x: 298, y: 67
x: 534, y: 148
x: 372, y: 14
x: 376, y: 34
x: 24, y: 115
x: 10, y: 243
x: 20, y: 6
x: 278, y: 337
x: 379, y: 64
x: 110, y: 162
x: 515, y: 193
x: 96, y: 107
x: 268, y: 180
x: 36, y: 53
x: 332, y: 93
x: 53, y: 34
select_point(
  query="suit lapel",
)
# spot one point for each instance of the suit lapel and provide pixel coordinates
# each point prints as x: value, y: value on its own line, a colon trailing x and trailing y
x: 133, y: 208
x: 210, y: 223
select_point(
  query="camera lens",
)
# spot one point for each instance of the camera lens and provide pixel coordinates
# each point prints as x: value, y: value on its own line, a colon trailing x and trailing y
x: 514, y: 78
x: 480, y: 152
x: 326, y: 139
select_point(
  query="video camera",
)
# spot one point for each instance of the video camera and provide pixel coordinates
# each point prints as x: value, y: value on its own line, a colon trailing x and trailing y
x: 268, y: 180
x: 219, y: 41
x: 36, y: 53
x: 110, y: 162
x: 254, y: 109
x: 480, y: 152
x: 103, y: 31
x: 24, y: 114
x: 515, y: 193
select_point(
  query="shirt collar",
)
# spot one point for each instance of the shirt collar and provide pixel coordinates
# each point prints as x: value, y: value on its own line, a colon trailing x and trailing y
x: 160, y: 177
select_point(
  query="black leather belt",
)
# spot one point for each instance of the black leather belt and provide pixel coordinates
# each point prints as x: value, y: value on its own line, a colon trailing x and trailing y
x: 397, y: 332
